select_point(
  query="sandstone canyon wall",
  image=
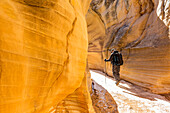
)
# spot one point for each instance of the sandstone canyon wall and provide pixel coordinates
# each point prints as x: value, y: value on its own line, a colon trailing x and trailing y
x: 43, y: 51
x: 140, y: 29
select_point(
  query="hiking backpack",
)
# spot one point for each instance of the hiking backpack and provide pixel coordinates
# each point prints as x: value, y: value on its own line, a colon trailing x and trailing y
x: 118, y: 60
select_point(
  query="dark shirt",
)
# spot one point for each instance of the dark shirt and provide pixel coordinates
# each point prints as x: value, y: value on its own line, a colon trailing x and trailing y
x: 111, y: 57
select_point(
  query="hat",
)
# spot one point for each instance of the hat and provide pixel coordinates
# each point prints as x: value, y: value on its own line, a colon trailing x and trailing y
x: 113, y: 50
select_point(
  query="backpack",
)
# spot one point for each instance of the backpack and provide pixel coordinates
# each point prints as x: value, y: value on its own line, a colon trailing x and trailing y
x: 118, y: 60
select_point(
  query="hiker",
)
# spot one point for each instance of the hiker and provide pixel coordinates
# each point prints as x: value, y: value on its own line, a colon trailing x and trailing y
x: 116, y: 61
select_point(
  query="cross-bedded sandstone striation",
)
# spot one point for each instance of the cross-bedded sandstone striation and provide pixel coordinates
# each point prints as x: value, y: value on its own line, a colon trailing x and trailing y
x: 43, y: 52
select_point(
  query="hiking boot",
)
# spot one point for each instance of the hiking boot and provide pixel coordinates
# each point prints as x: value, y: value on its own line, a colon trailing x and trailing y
x: 117, y: 83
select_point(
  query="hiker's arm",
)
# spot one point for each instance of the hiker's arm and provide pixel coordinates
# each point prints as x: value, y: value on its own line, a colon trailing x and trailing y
x: 106, y: 60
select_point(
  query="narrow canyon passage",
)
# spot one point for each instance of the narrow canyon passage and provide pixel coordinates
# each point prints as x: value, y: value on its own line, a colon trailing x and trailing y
x: 131, y: 98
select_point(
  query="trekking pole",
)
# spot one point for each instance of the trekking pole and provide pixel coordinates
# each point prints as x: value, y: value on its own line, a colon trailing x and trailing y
x: 105, y: 72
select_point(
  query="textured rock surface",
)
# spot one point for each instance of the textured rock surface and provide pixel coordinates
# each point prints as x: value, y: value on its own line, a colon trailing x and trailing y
x: 43, y: 50
x: 140, y: 29
x: 79, y: 101
x: 103, y: 102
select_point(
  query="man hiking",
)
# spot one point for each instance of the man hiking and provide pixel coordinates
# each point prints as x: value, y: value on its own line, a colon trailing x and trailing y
x: 116, y: 61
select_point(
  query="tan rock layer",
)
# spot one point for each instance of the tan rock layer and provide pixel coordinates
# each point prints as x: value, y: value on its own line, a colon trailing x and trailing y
x: 43, y: 52
x: 148, y: 67
x: 140, y: 26
x: 79, y: 101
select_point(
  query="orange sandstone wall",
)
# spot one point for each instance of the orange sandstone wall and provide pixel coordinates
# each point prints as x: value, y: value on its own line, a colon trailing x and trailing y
x: 140, y: 28
x: 43, y: 52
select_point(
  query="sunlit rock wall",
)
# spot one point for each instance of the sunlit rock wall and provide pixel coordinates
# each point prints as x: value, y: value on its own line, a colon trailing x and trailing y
x: 78, y: 101
x: 43, y: 51
x: 139, y: 28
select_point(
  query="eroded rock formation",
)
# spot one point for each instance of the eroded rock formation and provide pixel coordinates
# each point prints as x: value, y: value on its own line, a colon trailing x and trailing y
x: 43, y: 51
x: 102, y: 101
x: 139, y: 28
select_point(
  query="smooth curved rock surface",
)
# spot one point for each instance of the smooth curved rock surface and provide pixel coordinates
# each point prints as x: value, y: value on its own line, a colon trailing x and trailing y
x: 140, y: 29
x: 43, y: 52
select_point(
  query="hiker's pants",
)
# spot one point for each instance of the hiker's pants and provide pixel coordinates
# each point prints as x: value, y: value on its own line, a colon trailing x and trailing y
x: 116, y: 70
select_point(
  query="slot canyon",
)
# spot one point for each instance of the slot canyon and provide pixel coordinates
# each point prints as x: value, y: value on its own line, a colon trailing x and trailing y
x: 48, y: 47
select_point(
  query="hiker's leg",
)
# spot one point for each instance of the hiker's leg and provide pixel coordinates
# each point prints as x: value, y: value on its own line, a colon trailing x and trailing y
x: 116, y: 72
x: 113, y: 71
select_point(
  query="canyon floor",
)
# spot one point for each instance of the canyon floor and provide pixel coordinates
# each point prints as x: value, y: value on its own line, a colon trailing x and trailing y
x: 131, y: 98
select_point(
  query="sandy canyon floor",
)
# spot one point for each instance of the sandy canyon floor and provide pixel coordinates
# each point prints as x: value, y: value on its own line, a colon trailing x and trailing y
x: 131, y: 98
